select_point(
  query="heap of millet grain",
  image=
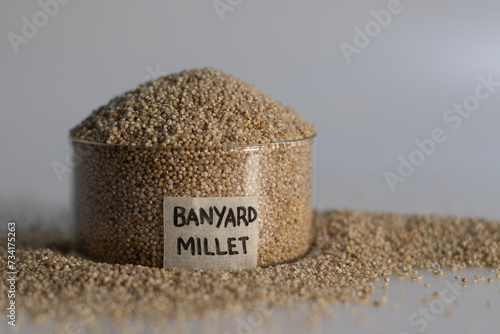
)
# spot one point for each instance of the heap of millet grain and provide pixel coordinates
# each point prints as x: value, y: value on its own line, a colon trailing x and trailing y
x: 182, y: 136
x: 201, y: 107
x: 351, y: 249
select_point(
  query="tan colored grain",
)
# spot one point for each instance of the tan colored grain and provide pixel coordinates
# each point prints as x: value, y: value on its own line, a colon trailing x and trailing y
x: 351, y: 250
x: 198, y: 133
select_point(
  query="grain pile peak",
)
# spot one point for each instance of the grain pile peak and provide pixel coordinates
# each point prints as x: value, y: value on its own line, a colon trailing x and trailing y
x: 199, y: 107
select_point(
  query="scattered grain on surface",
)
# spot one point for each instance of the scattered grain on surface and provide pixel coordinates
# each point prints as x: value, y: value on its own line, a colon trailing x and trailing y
x: 362, y: 245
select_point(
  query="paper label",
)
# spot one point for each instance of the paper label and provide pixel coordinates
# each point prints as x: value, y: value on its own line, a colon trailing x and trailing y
x: 210, y: 232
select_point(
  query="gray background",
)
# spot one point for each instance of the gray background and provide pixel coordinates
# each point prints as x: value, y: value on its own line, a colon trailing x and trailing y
x: 367, y: 112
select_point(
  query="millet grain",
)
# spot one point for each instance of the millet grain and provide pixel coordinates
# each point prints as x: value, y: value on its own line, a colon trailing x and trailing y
x: 198, y: 133
x: 350, y: 251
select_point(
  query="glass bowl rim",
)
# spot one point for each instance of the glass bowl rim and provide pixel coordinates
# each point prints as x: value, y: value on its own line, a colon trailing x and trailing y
x: 311, y: 138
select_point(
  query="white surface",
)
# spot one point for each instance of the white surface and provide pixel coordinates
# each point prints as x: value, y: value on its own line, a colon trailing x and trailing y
x: 367, y: 112
x: 471, y: 315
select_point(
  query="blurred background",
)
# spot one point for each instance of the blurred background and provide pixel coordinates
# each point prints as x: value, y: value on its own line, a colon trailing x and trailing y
x: 373, y: 76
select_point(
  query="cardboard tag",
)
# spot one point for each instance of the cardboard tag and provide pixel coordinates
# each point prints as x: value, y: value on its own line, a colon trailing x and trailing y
x: 210, y: 232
